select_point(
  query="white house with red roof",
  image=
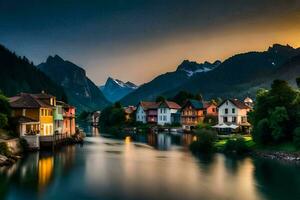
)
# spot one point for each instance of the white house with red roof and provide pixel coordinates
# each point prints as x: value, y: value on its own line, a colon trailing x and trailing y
x: 168, y: 112
x: 232, y: 115
x: 146, y: 112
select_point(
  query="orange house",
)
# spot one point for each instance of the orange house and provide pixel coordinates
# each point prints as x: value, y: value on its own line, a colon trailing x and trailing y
x: 193, y: 112
x: 69, y: 125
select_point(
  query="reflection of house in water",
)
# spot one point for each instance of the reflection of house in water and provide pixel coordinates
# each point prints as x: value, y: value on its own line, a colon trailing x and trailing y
x: 163, y: 141
x: 45, y: 171
x: 187, y: 139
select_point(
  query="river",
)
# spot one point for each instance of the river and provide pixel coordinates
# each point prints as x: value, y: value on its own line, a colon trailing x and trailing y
x: 146, y: 167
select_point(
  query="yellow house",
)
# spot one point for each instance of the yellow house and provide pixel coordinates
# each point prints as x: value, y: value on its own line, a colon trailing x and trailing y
x: 33, y: 113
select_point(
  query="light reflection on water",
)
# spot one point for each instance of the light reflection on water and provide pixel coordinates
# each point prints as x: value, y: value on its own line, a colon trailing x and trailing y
x: 159, y: 167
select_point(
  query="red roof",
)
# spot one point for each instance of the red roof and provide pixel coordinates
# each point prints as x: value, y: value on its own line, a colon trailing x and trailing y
x: 239, y: 104
x: 149, y: 105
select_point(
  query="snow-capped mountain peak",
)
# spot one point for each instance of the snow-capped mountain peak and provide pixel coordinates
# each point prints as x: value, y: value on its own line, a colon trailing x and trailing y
x: 192, y: 68
x: 115, y: 89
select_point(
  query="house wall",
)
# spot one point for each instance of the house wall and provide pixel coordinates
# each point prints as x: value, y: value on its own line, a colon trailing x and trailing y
x: 164, y: 115
x: 212, y: 110
x: 30, y: 113
x: 239, y: 114
x: 141, y: 115
x: 46, y: 121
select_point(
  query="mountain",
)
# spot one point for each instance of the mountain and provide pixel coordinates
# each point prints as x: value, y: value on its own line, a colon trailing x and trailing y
x: 115, y: 89
x: 168, y: 81
x: 19, y: 75
x: 80, y: 90
x: 237, y: 76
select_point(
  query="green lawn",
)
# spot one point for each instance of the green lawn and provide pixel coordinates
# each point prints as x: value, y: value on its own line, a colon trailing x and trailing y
x: 284, y: 147
x: 220, y: 144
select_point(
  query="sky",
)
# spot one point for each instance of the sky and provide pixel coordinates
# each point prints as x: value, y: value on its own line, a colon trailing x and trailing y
x: 136, y: 40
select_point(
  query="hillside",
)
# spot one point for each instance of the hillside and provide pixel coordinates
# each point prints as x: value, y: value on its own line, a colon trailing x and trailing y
x: 80, y: 90
x: 168, y: 81
x: 239, y: 75
x: 19, y: 75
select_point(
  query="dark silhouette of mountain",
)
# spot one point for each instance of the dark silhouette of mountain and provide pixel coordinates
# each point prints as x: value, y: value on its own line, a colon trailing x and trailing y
x: 237, y: 76
x: 168, y: 81
x: 80, y: 90
x: 115, y: 89
x: 17, y: 75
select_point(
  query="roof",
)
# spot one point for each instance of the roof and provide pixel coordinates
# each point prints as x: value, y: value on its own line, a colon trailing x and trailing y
x: 25, y: 100
x: 43, y: 95
x: 239, y: 104
x: 129, y: 109
x: 23, y: 120
x: 63, y: 104
x: 170, y: 104
x: 194, y: 103
x: 248, y: 100
x: 148, y: 105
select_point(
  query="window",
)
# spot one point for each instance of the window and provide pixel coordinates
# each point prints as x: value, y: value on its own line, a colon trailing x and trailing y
x: 233, y: 110
x: 165, y: 118
x: 23, y: 112
x: 225, y: 119
x: 234, y: 119
x: 226, y: 110
x: 244, y: 119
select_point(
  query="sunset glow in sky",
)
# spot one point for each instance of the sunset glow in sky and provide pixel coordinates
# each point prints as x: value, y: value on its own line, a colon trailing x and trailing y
x: 136, y: 40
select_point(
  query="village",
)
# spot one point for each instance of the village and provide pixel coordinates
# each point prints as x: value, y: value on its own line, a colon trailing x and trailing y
x: 41, y: 121
x: 229, y: 116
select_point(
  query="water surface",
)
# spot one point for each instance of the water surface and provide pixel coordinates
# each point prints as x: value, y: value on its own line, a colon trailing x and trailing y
x: 152, y: 167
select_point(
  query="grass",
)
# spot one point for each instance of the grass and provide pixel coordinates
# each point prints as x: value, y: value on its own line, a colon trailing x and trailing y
x: 220, y: 144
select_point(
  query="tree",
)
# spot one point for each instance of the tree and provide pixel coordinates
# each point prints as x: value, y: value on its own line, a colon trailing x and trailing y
x: 278, y: 119
x: 4, y: 105
x: 160, y: 99
x: 296, y: 138
x: 205, y: 141
x: 3, y: 120
x: 276, y: 113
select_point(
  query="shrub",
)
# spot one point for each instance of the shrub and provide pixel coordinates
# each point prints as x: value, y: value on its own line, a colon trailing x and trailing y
x: 3, y: 120
x: 262, y: 132
x: 296, y: 137
x: 205, y: 143
x: 4, y: 149
x: 237, y: 146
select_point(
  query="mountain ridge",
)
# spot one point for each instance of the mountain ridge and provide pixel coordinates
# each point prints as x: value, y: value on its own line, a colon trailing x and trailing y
x: 81, y: 91
x: 229, y: 79
x: 115, y: 89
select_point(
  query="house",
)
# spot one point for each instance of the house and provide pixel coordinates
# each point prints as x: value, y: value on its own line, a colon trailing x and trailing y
x: 69, y: 125
x: 168, y: 112
x: 33, y: 116
x: 129, y: 110
x: 249, y: 102
x: 94, y: 118
x: 40, y: 119
x: 193, y: 112
x: 232, y: 116
x: 146, y: 112
x: 58, y: 117
x: 210, y: 109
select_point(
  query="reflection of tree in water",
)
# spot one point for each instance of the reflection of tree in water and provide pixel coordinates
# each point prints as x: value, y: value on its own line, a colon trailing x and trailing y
x: 276, y: 180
